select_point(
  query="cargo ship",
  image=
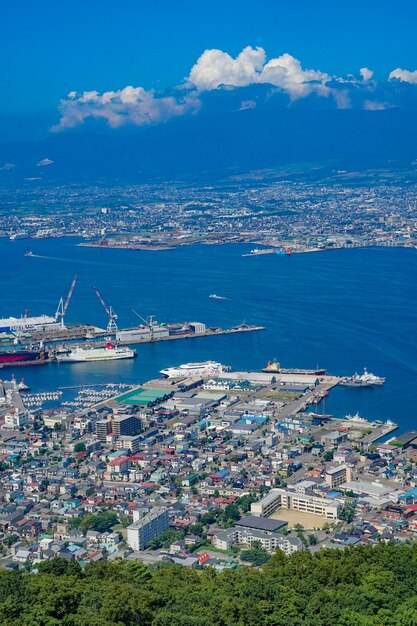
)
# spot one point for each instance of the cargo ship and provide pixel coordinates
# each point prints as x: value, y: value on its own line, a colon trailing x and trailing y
x: 189, y: 370
x: 22, y: 357
x: 80, y: 354
x: 274, y: 367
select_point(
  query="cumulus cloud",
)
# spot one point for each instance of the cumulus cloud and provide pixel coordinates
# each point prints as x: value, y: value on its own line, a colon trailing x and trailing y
x: 405, y: 76
x: 366, y: 73
x: 44, y: 163
x: 215, y: 68
x: 219, y: 81
x: 131, y: 105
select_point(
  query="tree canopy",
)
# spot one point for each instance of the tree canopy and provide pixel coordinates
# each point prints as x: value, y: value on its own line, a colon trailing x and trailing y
x: 361, y: 586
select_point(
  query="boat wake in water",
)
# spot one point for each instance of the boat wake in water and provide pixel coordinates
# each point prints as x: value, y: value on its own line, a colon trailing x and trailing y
x: 216, y: 297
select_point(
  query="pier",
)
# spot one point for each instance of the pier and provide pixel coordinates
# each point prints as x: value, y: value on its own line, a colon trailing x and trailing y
x: 72, y: 333
x: 378, y: 433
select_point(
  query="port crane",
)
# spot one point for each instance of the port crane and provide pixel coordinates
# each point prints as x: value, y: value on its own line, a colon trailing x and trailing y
x: 150, y: 322
x: 63, y: 306
x: 111, y: 326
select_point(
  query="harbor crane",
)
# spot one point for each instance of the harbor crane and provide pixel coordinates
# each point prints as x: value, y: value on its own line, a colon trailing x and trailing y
x: 150, y: 322
x: 111, y: 326
x: 63, y: 306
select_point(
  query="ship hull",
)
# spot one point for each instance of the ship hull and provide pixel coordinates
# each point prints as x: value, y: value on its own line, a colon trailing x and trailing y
x: 21, y: 356
x: 80, y: 359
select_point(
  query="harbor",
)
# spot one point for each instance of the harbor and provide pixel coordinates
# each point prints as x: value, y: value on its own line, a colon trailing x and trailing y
x: 37, y: 340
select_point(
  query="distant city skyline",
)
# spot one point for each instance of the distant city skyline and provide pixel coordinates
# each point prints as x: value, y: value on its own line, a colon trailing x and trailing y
x: 50, y: 50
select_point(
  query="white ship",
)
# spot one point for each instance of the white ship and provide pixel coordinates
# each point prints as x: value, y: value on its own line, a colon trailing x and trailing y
x: 80, y: 354
x: 363, y: 380
x: 207, y: 368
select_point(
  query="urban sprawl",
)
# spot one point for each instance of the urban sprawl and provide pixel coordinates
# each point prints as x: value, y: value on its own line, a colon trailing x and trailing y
x: 298, y: 216
x: 199, y: 470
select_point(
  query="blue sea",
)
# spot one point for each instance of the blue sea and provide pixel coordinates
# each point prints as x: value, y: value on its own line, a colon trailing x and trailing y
x: 342, y: 310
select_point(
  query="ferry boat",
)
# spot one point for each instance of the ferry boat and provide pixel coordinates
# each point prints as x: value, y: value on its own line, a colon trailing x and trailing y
x: 363, y: 380
x: 80, y: 354
x: 274, y: 367
x: 189, y: 370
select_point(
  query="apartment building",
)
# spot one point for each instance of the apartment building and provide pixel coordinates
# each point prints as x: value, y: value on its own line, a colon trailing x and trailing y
x: 336, y: 476
x: 225, y: 539
x: 146, y: 527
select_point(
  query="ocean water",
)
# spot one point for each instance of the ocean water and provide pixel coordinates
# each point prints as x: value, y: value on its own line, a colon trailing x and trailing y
x: 342, y: 310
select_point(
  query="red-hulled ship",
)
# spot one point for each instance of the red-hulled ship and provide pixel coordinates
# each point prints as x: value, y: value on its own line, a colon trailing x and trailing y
x: 22, y: 357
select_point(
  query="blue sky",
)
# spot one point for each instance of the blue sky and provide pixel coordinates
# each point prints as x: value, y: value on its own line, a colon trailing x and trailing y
x: 49, y: 48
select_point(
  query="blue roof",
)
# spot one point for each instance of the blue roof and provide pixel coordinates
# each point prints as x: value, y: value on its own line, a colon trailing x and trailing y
x: 73, y: 548
x: 410, y: 494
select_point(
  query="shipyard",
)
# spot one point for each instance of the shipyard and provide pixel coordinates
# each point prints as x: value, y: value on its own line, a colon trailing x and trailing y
x: 35, y: 340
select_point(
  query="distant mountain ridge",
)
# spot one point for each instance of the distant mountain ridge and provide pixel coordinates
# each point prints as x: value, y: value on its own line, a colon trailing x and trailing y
x: 221, y: 145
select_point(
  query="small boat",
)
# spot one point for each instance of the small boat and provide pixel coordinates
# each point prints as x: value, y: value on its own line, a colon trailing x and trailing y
x: 28, y: 252
x: 22, y: 386
x: 216, y: 297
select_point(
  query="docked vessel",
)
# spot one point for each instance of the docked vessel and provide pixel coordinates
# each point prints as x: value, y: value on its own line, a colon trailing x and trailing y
x: 22, y: 386
x: 274, y: 367
x: 363, y: 380
x: 82, y: 354
x: 21, y: 357
x: 187, y: 370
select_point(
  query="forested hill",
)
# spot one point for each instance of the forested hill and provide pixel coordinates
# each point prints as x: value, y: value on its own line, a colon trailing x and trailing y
x: 220, y: 145
x: 365, y: 586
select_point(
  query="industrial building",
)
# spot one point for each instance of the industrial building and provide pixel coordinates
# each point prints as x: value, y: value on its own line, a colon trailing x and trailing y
x: 142, y: 333
x: 146, y: 526
x: 20, y: 324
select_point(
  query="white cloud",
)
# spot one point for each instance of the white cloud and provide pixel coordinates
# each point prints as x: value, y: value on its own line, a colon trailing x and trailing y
x: 215, y: 68
x: 131, y: 105
x: 286, y: 72
x: 7, y: 167
x: 375, y: 105
x: 366, y: 73
x: 405, y: 76
x: 247, y: 104
x: 44, y: 163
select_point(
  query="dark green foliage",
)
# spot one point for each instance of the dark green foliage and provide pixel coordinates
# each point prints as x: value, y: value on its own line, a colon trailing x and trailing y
x: 256, y: 555
x: 363, y: 586
x: 101, y: 522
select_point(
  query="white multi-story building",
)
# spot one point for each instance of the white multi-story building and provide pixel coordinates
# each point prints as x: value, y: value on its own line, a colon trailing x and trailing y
x: 146, y: 527
x: 286, y: 499
x: 225, y: 539
x: 16, y: 419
